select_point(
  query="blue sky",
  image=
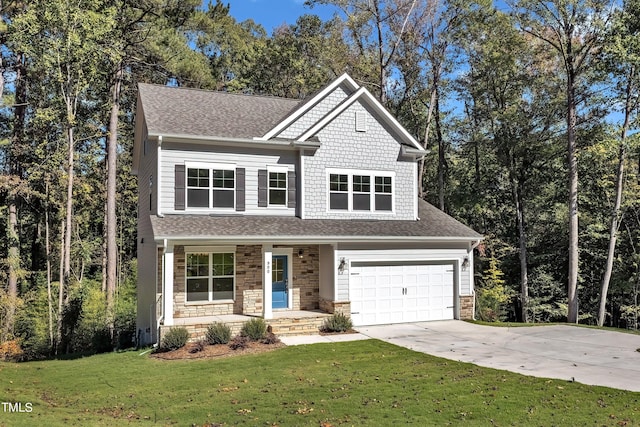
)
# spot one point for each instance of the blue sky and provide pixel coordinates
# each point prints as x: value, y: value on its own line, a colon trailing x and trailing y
x: 273, y: 13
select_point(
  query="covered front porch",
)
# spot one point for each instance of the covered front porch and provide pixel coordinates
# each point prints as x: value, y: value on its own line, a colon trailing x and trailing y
x: 290, y: 286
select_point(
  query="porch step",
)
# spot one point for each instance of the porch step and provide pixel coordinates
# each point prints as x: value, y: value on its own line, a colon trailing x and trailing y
x: 296, y: 326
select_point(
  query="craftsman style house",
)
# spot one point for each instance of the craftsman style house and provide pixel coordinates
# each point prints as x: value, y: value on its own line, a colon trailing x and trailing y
x: 288, y: 210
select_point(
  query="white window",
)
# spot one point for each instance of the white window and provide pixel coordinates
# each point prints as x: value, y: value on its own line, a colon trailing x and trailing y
x: 277, y: 188
x: 360, y: 191
x: 338, y: 191
x: 210, y: 276
x: 210, y: 186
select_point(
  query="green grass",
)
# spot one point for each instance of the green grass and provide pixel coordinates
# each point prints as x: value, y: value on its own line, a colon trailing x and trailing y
x: 354, y: 383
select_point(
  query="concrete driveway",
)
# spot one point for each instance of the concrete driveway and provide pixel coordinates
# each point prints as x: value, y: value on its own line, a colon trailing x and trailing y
x: 588, y: 356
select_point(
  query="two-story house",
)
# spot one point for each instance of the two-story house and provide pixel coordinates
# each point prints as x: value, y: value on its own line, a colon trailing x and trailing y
x: 288, y: 210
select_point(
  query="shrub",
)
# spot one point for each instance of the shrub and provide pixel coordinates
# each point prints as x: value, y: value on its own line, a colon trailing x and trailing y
x: 239, y: 343
x: 175, y: 338
x: 255, y: 329
x: 11, y: 351
x: 337, y: 323
x: 270, y: 338
x: 218, y: 333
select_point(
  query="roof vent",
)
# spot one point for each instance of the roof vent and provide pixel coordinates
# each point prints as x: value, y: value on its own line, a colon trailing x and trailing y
x: 361, y: 121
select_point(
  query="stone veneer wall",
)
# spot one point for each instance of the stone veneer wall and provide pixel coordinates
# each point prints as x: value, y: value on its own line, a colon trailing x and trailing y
x: 467, y: 307
x: 342, y: 307
x: 306, y: 278
x: 248, y: 280
x: 248, y: 297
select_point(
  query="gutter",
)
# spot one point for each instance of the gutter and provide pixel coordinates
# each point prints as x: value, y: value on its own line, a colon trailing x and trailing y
x: 238, y: 142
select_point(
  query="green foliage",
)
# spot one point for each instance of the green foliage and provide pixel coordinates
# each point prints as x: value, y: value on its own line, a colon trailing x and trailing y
x: 254, y: 329
x: 338, y: 322
x: 218, y: 333
x: 175, y: 338
x: 492, y: 295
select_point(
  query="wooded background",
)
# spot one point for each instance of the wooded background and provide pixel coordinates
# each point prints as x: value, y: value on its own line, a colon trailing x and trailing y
x: 529, y: 112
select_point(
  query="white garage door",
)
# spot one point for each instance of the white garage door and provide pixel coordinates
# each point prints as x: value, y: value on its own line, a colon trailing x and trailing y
x: 382, y: 294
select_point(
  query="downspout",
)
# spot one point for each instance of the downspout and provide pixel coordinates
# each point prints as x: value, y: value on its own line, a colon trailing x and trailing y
x: 159, y: 185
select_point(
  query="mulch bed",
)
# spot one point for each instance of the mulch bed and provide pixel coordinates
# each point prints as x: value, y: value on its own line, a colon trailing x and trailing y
x: 215, y: 351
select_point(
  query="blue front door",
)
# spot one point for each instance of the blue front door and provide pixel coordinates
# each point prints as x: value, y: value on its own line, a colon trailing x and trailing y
x: 279, y: 281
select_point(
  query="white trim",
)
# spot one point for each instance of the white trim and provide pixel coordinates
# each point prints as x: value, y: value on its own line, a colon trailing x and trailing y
x: 372, y: 193
x: 418, y: 181
x: 285, y: 171
x: 267, y: 288
x: 210, y: 167
x: 314, y: 239
x: 288, y: 252
x: 332, y: 115
x: 345, y: 78
x: 158, y: 169
x: 300, y: 192
x: 370, y: 100
x: 167, y: 276
x: 209, y: 250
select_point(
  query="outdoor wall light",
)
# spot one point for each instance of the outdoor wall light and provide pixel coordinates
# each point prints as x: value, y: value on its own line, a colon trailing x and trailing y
x: 465, y: 263
x: 300, y: 253
x: 341, y: 265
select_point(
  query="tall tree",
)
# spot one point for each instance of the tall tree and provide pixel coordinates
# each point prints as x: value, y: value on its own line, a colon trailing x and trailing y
x: 623, y: 57
x: 574, y: 29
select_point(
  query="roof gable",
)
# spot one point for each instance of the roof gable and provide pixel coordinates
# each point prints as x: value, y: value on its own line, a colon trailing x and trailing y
x: 306, y: 106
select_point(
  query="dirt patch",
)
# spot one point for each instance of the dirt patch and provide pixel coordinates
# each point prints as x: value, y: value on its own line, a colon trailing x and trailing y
x: 215, y: 351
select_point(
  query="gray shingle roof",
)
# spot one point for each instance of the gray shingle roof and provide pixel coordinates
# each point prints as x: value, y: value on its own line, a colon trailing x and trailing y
x: 195, y: 112
x: 433, y: 224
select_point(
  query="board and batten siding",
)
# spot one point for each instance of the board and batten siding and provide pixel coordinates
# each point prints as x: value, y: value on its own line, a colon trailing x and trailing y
x: 344, y: 148
x: 250, y: 159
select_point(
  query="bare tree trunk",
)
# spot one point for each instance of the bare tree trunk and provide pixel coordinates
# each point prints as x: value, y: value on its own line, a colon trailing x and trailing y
x: 13, y: 239
x: 615, y: 214
x: 442, y: 160
x: 47, y: 246
x: 111, y: 218
x: 425, y: 142
x: 572, y: 285
x: 61, y: 289
x: 522, y: 243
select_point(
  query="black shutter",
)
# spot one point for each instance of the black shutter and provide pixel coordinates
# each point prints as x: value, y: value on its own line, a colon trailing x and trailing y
x: 240, y: 184
x: 262, y: 187
x: 179, y: 188
x: 291, y: 189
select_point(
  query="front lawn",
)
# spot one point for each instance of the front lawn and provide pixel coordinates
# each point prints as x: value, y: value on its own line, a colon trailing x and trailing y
x: 354, y: 383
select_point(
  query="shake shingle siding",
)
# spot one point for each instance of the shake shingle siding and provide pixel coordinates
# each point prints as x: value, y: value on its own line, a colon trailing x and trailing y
x: 344, y: 148
x: 315, y: 114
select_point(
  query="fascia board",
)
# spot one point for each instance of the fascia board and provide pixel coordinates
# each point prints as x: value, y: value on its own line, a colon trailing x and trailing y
x: 332, y: 115
x: 235, y: 142
x: 371, y: 101
x: 345, y: 78
x: 315, y: 239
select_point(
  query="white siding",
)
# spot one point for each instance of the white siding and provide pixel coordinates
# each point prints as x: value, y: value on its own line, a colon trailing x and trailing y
x: 251, y: 159
x: 344, y: 148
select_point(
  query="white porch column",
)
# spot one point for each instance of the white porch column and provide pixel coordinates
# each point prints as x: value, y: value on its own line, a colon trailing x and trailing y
x: 267, y: 259
x: 167, y: 290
